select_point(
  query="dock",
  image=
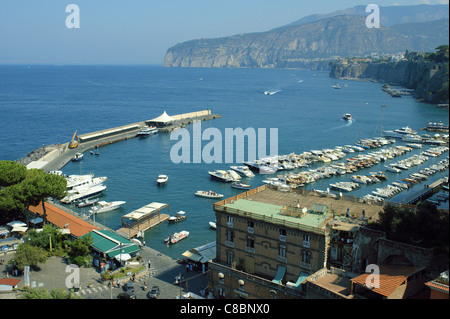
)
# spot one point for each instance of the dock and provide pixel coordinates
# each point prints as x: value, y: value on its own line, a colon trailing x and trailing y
x: 424, y: 193
x: 142, y: 219
x: 62, y: 154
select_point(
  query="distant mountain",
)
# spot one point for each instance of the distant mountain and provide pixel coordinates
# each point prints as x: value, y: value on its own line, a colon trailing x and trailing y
x: 389, y: 15
x: 293, y: 45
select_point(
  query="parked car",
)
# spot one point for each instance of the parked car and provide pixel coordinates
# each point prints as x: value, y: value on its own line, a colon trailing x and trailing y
x: 128, y: 287
x: 154, y: 292
x: 126, y: 295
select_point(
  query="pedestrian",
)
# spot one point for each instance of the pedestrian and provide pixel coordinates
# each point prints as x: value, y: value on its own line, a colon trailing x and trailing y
x: 348, y: 212
x: 190, y: 267
x: 187, y: 267
x: 149, y: 264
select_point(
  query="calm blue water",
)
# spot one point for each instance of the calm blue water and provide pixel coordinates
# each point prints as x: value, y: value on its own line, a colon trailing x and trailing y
x: 43, y: 105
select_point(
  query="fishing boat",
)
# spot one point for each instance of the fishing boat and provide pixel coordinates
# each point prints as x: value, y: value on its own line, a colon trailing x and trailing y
x: 87, y: 202
x: 240, y: 185
x: 208, y: 194
x: 243, y: 170
x: 172, y: 239
x: 179, y: 216
x: 77, y: 157
x: 347, y: 117
x: 162, y: 179
x: 103, y: 206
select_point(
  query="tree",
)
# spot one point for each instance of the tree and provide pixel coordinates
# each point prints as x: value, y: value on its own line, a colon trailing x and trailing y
x: 40, y: 185
x: 42, y: 293
x: 11, y: 173
x: 28, y: 255
x: 79, y: 250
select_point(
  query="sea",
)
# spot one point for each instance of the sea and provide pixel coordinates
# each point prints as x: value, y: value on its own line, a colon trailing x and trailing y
x: 42, y: 105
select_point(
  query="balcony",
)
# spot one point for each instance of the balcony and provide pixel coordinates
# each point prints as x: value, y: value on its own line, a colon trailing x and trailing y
x: 230, y: 224
x: 250, y: 249
x: 250, y: 230
x: 305, y: 265
x: 306, y: 244
x: 283, y: 238
x: 229, y: 244
x: 282, y: 258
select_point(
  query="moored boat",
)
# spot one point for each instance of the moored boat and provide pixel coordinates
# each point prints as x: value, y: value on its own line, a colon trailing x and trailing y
x: 103, y: 206
x: 162, y: 179
x: 179, y: 216
x: 208, y: 194
x: 77, y: 157
x: 172, y: 239
x: 240, y: 185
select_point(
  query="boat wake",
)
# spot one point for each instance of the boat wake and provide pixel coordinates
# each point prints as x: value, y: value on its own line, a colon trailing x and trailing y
x: 271, y: 92
x: 348, y: 123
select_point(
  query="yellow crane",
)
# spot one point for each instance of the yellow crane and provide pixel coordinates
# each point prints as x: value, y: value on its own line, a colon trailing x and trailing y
x: 73, y: 142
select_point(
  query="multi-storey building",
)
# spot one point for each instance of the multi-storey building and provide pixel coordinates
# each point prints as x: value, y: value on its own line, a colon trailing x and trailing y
x: 269, y: 242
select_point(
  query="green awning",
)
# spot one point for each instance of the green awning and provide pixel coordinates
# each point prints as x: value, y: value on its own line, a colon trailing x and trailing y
x: 300, y: 279
x: 125, y: 250
x: 280, y: 274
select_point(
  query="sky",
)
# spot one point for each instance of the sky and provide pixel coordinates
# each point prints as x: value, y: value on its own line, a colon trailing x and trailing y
x: 141, y: 31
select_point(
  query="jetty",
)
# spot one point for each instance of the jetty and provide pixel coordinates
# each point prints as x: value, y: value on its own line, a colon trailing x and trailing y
x: 61, y: 154
x: 134, y: 224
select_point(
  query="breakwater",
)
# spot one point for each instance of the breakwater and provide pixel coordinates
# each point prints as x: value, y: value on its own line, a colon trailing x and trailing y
x: 51, y: 158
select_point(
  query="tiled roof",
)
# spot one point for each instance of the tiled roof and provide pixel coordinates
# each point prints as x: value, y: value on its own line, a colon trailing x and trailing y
x: 9, y: 282
x: 391, y: 277
x: 437, y: 285
x: 60, y: 218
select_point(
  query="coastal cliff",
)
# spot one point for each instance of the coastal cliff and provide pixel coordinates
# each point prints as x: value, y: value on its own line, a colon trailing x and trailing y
x: 428, y: 79
x: 307, y: 45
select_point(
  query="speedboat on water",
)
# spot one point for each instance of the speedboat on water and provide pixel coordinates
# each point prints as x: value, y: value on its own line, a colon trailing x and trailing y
x: 162, y: 179
x: 347, y: 117
x: 172, y: 239
x: 103, y: 206
x: 87, y: 202
x: 240, y: 185
x: 179, y: 216
x: 221, y: 176
x: 208, y: 194
x: 243, y: 170
x: 213, y: 225
x: 77, y: 157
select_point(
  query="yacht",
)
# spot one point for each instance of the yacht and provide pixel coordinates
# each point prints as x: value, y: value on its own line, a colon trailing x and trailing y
x: 221, y: 176
x: 78, y: 180
x: 103, y: 206
x: 400, y: 133
x: 146, y: 131
x: 88, y: 184
x: 243, y: 170
x: 347, y: 117
x: 412, y: 138
x: 83, y: 194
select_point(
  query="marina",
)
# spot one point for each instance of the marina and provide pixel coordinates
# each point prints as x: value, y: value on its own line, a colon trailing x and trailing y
x: 318, y: 149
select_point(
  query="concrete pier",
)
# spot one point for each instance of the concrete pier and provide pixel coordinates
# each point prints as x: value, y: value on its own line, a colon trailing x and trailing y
x: 62, y: 154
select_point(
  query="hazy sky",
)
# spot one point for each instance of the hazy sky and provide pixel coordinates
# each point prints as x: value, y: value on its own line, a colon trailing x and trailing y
x: 141, y: 31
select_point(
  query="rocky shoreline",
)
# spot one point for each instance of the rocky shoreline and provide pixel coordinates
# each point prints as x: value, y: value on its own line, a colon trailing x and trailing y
x: 37, y: 154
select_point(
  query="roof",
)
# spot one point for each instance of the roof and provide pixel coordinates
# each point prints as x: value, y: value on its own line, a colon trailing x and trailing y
x: 202, y: 254
x: 61, y: 219
x: 163, y: 118
x: 438, y: 286
x: 112, y: 244
x: 391, y: 277
x: 9, y: 282
x: 145, y: 210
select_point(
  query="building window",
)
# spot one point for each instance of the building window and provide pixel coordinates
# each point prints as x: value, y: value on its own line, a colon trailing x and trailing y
x: 230, y: 221
x: 283, y: 234
x: 230, y: 257
x: 306, y: 257
x: 230, y: 236
x: 282, y: 253
x: 306, y: 241
x: 251, y: 227
x: 250, y: 248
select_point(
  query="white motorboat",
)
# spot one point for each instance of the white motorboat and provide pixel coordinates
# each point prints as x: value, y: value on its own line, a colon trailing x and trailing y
x: 241, y: 185
x: 162, y: 179
x: 83, y: 194
x: 221, y: 176
x: 213, y: 225
x: 393, y: 169
x: 146, y: 131
x: 412, y: 138
x: 77, y: 157
x: 267, y: 169
x: 347, y: 117
x: 234, y: 175
x: 243, y: 170
x: 415, y: 145
x: 78, y: 180
x: 103, y: 206
x: 336, y: 86
x: 97, y: 181
x: 208, y: 194
x: 87, y: 202
x: 172, y: 239
x: 179, y: 216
